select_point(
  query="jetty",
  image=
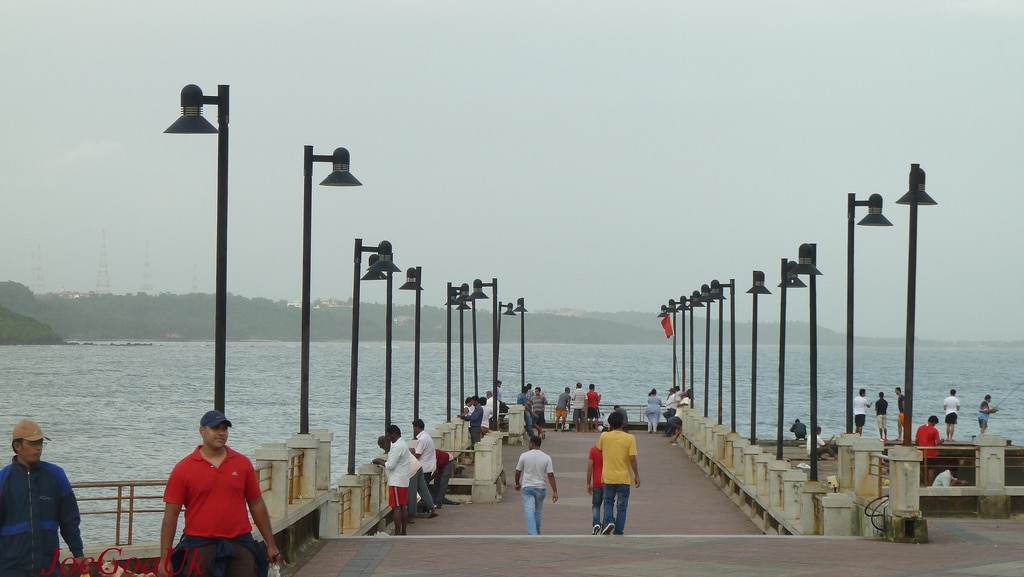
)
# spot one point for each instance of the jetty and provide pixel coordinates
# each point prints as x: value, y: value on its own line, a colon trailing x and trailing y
x: 701, y: 507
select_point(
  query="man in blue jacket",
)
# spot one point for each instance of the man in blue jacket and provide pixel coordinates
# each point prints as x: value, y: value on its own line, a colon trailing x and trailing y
x: 36, y: 501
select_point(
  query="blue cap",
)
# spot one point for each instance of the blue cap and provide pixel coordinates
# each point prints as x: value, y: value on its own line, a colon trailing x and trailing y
x: 213, y: 418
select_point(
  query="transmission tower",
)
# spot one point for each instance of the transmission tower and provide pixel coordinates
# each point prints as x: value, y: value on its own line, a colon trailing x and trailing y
x: 147, y: 277
x: 103, y: 276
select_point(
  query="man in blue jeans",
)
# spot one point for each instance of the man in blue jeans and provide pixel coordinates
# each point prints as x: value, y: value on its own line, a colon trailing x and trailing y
x: 533, y: 471
x: 618, y: 451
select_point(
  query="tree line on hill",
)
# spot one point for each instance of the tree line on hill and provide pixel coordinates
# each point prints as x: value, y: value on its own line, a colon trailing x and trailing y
x: 27, y: 318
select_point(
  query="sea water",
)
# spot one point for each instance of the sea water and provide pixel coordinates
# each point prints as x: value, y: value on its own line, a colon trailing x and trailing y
x: 131, y: 412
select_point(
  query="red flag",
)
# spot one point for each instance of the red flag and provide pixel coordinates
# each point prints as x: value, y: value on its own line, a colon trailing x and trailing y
x: 666, y: 323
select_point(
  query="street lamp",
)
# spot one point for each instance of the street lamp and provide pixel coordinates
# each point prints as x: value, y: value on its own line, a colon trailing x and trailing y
x: 192, y: 122
x: 521, y: 311
x: 453, y: 299
x: 383, y: 265
x: 789, y: 280
x: 694, y: 303
x: 705, y: 296
x: 716, y: 293
x: 414, y: 282
x: 477, y: 289
x: 681, y: 306
x: 807, y: 265
x: 463, y: 307
x: 915, y: 196
x: 478, y: 293
x: 874, y: 218
x: 758, y: 288
x: 340, y: 176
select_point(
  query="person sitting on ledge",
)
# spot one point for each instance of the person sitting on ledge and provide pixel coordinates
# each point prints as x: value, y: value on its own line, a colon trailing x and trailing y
x: 824, y: 447
x: 947, y: 478
x: 799, y: 429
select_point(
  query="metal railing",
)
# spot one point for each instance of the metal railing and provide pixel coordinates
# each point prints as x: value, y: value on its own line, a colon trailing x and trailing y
x: 122, y: 499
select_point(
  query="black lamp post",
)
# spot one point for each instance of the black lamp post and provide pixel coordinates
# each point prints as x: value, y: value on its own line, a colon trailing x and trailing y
x: 758, y: 288
x: 414, y: 282
x: 789, y: 280
x: 383, y: 265
x: 478, y: 293
x: 463, y: 307
x: 682, y: 307
x: 695, y: 302
x: 915, y: 196
x: 716, y: 294
x: 705, y: 295
x: 340, y: 176
x: 477, y: 289
x: 451, y: 299
x: 807, y: 265
x: 192, y: 122
x: 521, y: 311
x: 874, y: 218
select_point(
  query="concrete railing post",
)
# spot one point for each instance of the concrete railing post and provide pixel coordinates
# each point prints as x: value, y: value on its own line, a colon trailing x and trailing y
x: 323, y: 458
x: 905, y: 481
x: 760, y: 481
x: 750, y: 452
x: 776, y: 468
x: 792, y: 482
x: 991, y: 461
x: 864, y: 483
x: 277, y: 455
x: 844, y: 471
x: 305, y: 487
x: 516, y: 425
x: 809, y: 495
x: 837, y: 514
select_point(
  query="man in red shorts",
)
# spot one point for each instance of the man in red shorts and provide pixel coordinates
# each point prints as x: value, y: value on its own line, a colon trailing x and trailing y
x: 396, y: 467
x: 215, y: 484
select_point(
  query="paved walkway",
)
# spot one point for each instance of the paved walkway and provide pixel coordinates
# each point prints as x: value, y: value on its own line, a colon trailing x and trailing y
x: 679, y: 523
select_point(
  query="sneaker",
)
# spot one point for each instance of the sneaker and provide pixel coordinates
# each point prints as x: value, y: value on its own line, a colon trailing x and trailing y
x: 608, y: 529
x: 597, y: 529
x: 885, y: 439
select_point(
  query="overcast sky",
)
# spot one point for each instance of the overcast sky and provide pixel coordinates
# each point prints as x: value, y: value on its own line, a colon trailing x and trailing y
x: 592, y: 155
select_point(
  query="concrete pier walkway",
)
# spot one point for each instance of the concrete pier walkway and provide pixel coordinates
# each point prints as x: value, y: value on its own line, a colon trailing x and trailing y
x: 679, y: 522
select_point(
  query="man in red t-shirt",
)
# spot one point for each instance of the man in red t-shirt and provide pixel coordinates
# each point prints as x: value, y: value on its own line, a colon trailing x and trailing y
x: 593, y: 408
x: 215, y: 484
x: 595, y: 486
x: 928, y: 436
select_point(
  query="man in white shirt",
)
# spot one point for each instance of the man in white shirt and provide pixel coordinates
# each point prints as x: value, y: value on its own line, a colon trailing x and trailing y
x: 425, y: 454
x: 396, y: 467
x: 533, y: 473
x: 951, y: 405
x: 947, y: 478
x: 488, y: 407
x: 579, y: 407
x: 860, y: 410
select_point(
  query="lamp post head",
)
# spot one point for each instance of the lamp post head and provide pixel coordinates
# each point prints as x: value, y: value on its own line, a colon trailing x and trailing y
x: 509, y: 311
x: 340, y: 176
x: 672, y: 306
x: 758, y: 288
x: 191, y: 120
x: 716, y: 291
x: 807, y: 260
x: 792, y: 280
x: 478, y: 290
x: 384, y: 262
x: 521, y: 305
x: 463, y: 297
x: 373, y: 273
x: 705, y: 293
x: 695, y: 300
x: 412, y: 280
x: 453, y: 296
x: 916, y: 191
x: 664, y: 312
x: 874, y: 217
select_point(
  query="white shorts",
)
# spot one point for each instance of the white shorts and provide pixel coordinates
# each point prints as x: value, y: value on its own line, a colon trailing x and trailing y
x: 880, y: 419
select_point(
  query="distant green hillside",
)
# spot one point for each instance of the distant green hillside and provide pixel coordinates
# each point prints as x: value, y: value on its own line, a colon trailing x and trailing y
x: 18, y: 329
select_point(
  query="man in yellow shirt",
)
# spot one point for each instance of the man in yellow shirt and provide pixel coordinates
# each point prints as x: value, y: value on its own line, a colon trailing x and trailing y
x: 618, y: 451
